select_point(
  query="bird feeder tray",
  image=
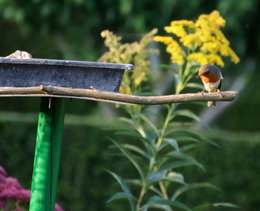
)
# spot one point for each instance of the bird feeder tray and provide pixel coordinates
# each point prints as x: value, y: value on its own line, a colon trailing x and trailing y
x: 61, y: 73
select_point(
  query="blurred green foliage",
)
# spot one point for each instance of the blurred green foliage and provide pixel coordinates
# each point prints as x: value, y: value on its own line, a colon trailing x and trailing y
x: 70, y: 29
x: 84, y: 185
x: 234, y: 167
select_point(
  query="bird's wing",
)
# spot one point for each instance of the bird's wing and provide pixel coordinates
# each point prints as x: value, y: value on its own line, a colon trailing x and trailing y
x: 221, y: 76
x: 216, y: 70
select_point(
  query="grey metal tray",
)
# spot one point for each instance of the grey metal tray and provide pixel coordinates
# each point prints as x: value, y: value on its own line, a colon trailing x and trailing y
x: 62, y: 73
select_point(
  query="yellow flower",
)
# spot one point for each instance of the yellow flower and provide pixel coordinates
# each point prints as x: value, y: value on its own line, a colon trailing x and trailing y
x: 211, y: 47
x: 202, y: 59
x: 176, y: 53
x: 183, y: 23
x: 203, y: 39
x: 173, y: 48
x: 177, y: 30
x: 190, y: 40
x: 215, y: 17
x: 215, y: 59
x: 198, y: 57
x: 165, y: 40
x: 224, y: 50
x: 234, y: 57
x: 180, y: 28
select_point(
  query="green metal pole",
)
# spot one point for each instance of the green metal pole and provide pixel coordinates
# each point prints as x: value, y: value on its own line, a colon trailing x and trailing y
x: 47, y: 154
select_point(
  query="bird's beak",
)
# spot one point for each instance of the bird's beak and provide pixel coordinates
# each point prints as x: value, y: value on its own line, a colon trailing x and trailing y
x: 198, y: 76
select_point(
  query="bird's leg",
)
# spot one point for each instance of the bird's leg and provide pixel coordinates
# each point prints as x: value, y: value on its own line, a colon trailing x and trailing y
x: 220, y: 93
x: 202, y: 92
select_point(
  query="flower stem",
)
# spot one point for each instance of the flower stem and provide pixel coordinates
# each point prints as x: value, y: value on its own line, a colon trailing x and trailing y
x: 140, y: 199
x: 165, y: 125
x: 163, y: 189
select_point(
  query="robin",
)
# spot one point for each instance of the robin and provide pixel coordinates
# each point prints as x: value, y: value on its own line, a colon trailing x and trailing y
x: 211, y: 78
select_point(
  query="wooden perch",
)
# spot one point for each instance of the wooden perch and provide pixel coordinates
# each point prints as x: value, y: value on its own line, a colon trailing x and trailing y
x: 52, y: 91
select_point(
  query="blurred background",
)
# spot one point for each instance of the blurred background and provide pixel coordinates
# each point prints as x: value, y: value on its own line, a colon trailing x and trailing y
x: 70, y: 29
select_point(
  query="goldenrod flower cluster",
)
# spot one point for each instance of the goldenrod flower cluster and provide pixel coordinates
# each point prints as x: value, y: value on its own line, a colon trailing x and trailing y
x: 135, y: 53
x: 201, y: 41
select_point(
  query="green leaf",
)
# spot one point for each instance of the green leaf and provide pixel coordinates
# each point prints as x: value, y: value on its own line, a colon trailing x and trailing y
x: 138, y: 128
x: 125, y: 188
x: 209, y: 206
x: 189, y: 187
x: 186, y: 157
x: 155, y: 190
x: 136, y: 149
x: 189, y: 147
x: 187, y: 113
x: 186, y: 133
x: 131, y: 133
x: 187, y: 139
x: 172, y: 142
x: 177, y: 164
x: 130, y: 157
x: 165, y: 176
x: 119, y: 195
x: 156, y: 200
x: 178, y: 124
x: 160, y: 207
x: 127, y: 120
x: 156, y: 176
x: 136, y: 182
x: 225, y: 204
x: 150, y: 123
x: 175, y: 177
x: 147, y: 142
x: 203, y: 207
x: 152, y: 137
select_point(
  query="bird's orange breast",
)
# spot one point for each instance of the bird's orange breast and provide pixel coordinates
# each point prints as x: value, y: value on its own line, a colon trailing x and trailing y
x: 210, y: 78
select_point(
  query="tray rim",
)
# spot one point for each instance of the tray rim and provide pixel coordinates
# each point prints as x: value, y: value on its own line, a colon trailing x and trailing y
x: 65, y: 63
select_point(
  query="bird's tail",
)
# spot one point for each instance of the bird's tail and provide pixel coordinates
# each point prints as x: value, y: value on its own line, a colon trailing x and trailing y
x: 211, y: 103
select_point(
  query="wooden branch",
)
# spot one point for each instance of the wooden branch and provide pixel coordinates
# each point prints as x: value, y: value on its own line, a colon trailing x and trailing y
x: 21, y: 90
x: 53, y: 91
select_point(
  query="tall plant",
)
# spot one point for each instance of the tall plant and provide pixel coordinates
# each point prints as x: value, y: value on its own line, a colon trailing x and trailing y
x: 159, y: 149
